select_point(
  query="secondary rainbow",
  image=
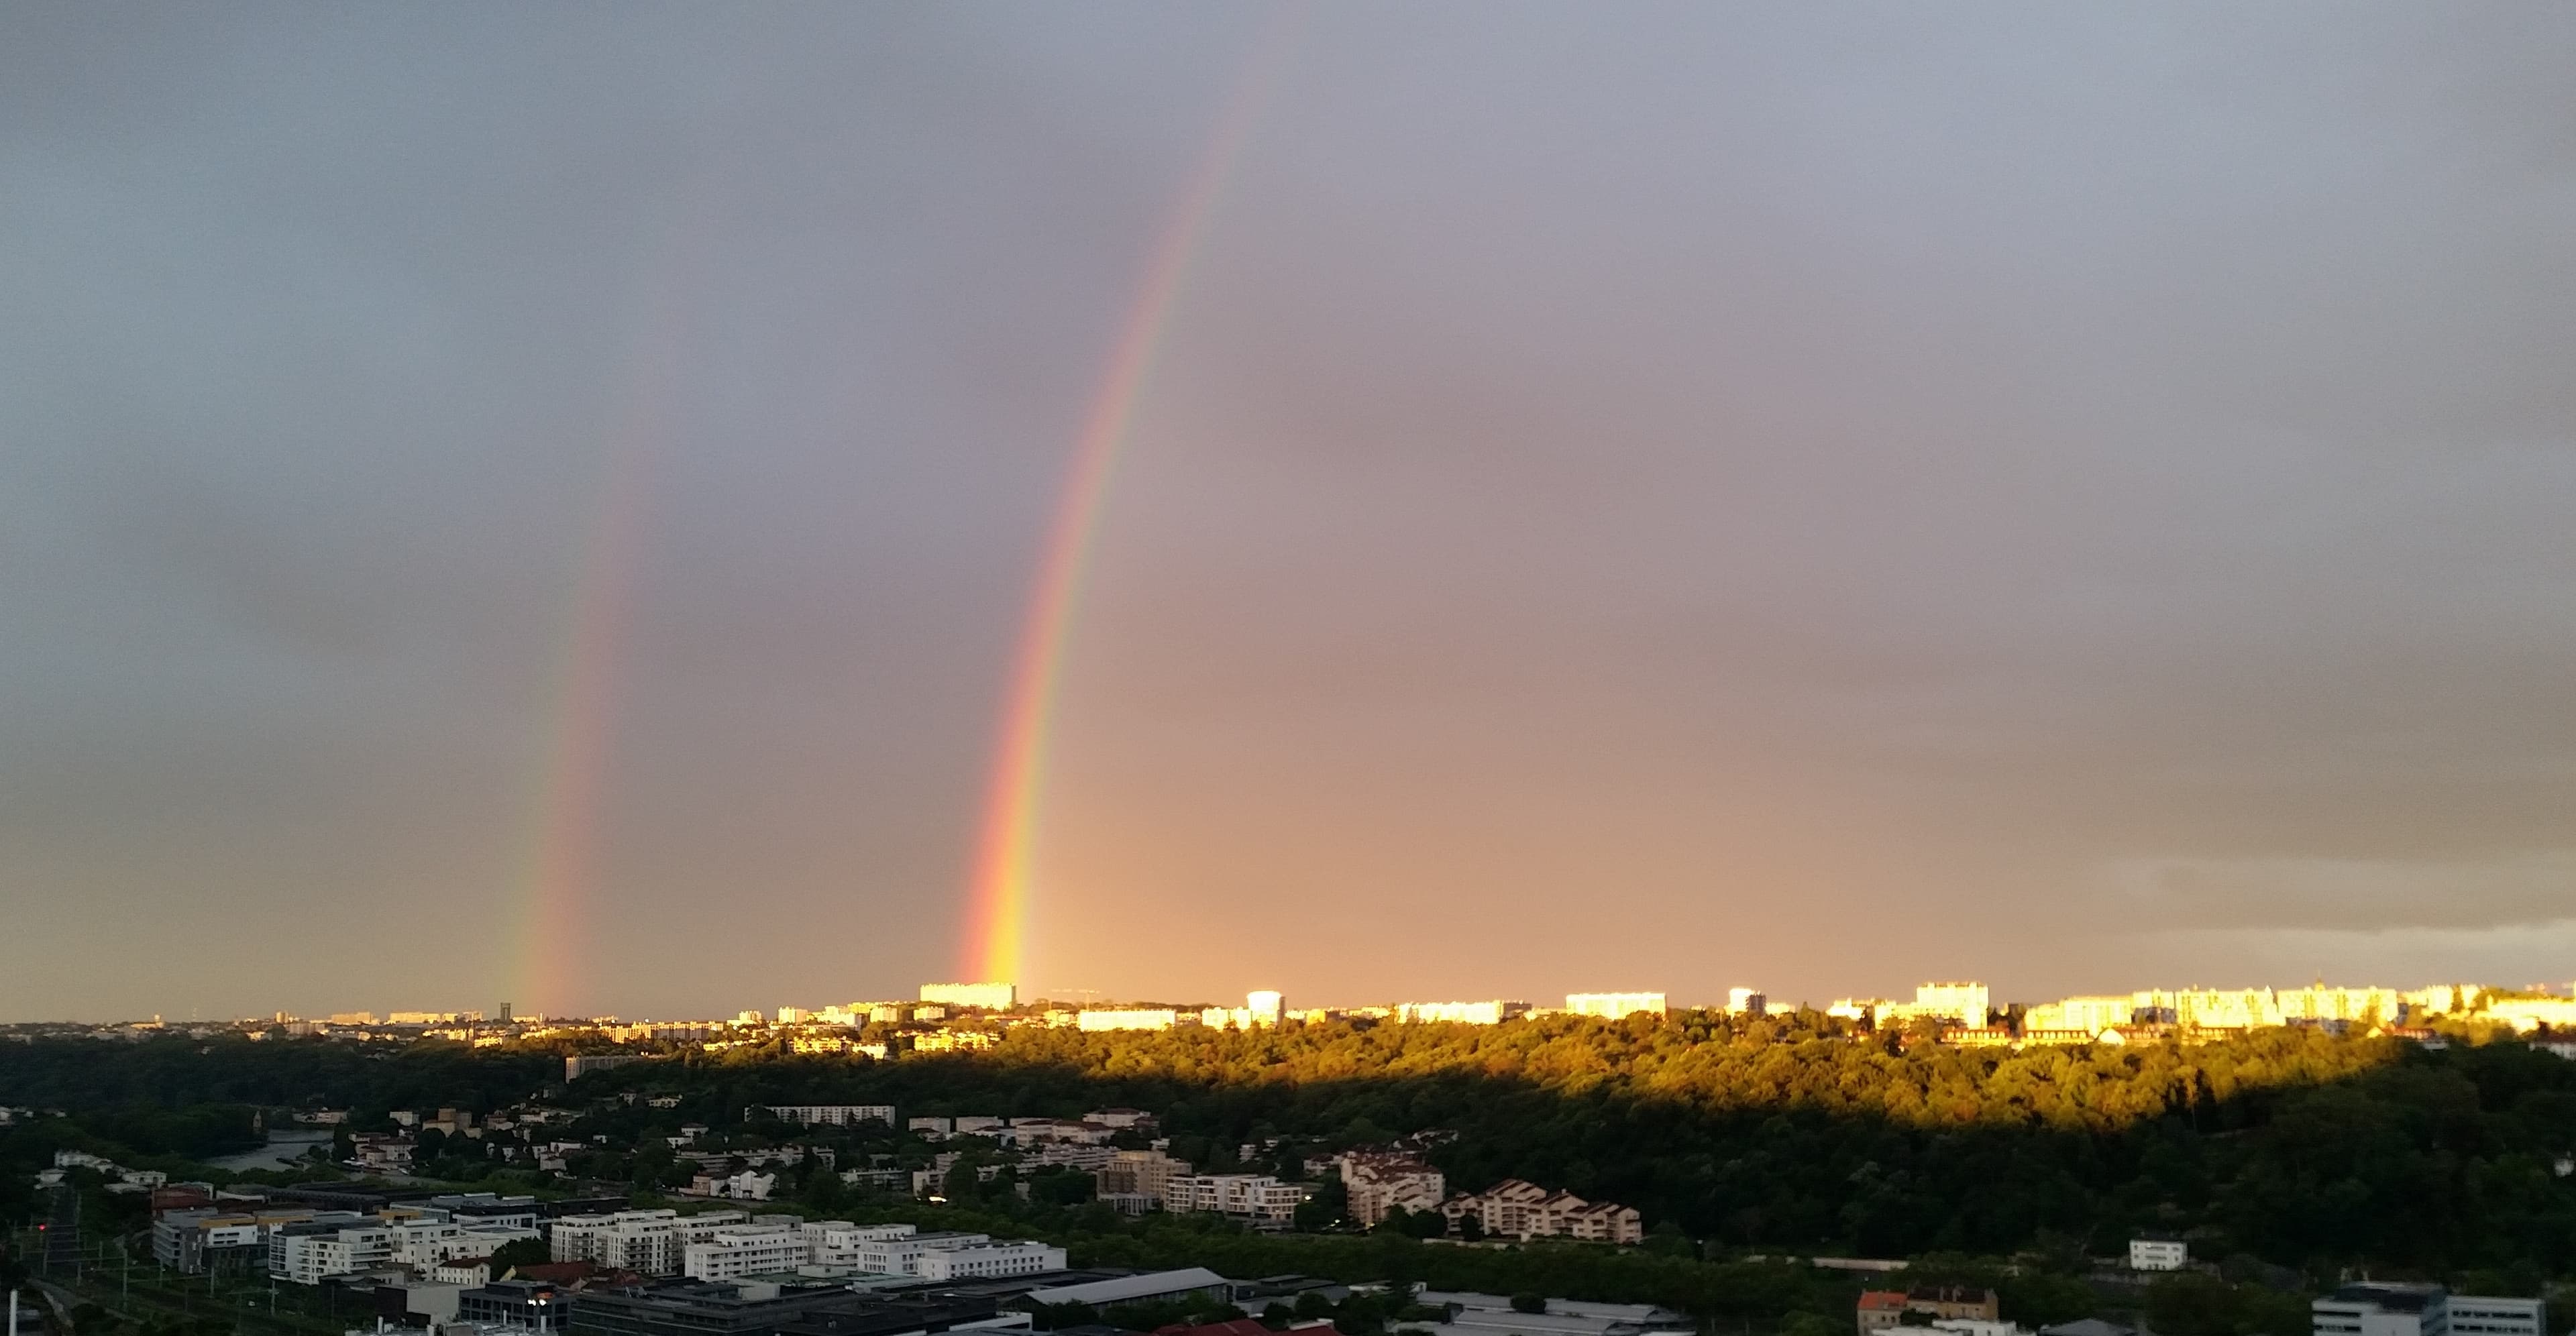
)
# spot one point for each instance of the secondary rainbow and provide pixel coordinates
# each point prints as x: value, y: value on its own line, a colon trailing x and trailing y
x: 997, y: 928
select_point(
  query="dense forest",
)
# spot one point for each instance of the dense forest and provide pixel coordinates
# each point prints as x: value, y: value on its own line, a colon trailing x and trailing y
x: 2292, y: 1146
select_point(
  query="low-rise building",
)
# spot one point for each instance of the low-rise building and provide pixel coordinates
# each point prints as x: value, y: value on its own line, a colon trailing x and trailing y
x: 744, y: 1250
x: 2153, y: 1254
x: 652, y: 1243
x: 1181, y: 1286
x: 1258, y: 1199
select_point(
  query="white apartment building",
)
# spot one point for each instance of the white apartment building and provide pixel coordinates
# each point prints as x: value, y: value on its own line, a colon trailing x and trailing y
x: 1519, y: 1209
x: 1966, y: 1002
x: 1020, y: 1257
x: 2526, y: 1014
x: 831, y: 1115
x: 425, y: 1243
x: 989, y: 996
x: 1747, y: 1002
x: 2158, y: 1254
x: 901, y: 1255
x: 1259, y: 1198
x: 2091, y: 1015
x: 1134, y: 1019
x: 307, y: 1258
x: 744, y: 1250
x: 1612, y: 1006
x: 931, y: 1129
x: 837, y: 1242
x: 654, y: 1243
x: 1460, y: 1013
x: 1378, y: 1182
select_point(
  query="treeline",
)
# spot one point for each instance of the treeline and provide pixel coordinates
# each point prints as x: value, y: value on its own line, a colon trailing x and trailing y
x: 1782, y: 1135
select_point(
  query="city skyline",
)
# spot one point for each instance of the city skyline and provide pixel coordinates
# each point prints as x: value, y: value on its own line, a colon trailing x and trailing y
x: 627, y: 515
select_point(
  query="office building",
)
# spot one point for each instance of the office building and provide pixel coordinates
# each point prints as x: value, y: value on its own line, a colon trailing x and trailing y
x: 2381, y: 1308
x: 2483, y: 1315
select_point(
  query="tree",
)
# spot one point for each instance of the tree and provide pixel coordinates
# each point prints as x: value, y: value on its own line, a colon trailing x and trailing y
x: 518, y: 1253
x: 1528, y: 1302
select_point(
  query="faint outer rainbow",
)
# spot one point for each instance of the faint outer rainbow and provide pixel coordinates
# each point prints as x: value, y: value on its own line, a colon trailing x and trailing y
x: 560, y: 875
x: 997, y: 926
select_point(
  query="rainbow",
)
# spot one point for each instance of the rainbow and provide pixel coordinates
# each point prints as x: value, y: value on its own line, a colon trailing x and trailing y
x: 996, y: 944
x: 560, y: 869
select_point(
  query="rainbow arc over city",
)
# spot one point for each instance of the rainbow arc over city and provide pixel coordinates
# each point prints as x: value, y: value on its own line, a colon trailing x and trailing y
x: 1004, y: 873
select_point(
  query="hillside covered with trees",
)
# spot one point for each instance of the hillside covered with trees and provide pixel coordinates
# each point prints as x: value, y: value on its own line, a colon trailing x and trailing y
x: 1787, y: 1134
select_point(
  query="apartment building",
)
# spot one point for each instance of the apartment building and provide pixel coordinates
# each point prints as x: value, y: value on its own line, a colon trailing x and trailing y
x: 1460, y: 1013
x: 653, y: 1243
x: 989, y: 996
x: 901, y: 1255
x: 744, y: 1250
x: 1612, y: 1006
x: 1377, y: 1181
x: 1260, y: 1199
x: 1747, y: 1002
x: 980, y: 1261
x: 307, y: 1254
x: 1965, y: 1002
x: 1139, y: 1173
x: 837, y: 1242
x: 1517, y: 1209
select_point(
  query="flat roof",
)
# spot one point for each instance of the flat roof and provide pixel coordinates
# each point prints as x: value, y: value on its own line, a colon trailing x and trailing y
x: 1152, y: 1284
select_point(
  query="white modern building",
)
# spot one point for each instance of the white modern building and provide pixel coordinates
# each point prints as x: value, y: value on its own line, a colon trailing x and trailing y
x: 837, y: 1242
x: 902, y: 1254
x: 1612, y: 1006
x: 654, y: 1243
x: 2158, y: 1254
x: 744, y: 1250
x: 1022, y: 1257
x: 2381, y: 1309
x: 1261, y: 1199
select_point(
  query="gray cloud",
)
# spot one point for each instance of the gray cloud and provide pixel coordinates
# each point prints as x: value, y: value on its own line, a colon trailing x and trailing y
x: 1673, y: 496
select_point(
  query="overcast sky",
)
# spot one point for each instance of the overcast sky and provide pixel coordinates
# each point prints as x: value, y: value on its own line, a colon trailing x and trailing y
x: 1815, y: 497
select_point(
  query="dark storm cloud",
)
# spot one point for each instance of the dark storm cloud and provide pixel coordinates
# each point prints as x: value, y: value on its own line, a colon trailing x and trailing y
x: 1637, y: 497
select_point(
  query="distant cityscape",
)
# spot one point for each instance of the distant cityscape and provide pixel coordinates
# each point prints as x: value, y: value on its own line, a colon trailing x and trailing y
x: 963, y: 1017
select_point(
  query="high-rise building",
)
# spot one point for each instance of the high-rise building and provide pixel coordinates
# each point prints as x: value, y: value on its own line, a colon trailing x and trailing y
x: 1747, y: 1002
